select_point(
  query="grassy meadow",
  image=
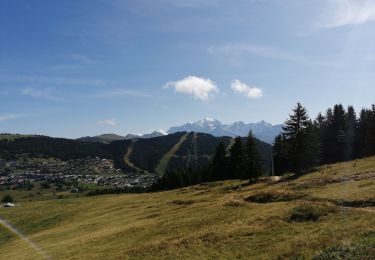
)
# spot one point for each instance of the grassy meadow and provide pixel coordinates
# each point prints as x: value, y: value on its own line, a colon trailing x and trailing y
x: 321, y: 215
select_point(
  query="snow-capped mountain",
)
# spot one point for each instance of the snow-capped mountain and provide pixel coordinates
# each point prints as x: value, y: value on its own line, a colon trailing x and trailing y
x: 261, y: 130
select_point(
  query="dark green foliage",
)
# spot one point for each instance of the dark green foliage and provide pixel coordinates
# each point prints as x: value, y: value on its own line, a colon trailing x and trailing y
x: 297, y: 149
x: 310, y: 212
x: 237, y: 159
x: 268, y: 197
x: 252, y: 161
x: 61, y: 148
x: 147, y: 153
x: 280, y: 153
x: 45, y: 185
x: 7, y: 198
x: 220, y: 163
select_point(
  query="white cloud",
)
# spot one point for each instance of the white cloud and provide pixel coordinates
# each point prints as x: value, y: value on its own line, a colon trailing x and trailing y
x: 242, y: 88
x: 199, y: 88
x: 39, y: 93
x: 110, y: 122
x: 347, y: 12
x: 238, y: 50
x: 7, y: 117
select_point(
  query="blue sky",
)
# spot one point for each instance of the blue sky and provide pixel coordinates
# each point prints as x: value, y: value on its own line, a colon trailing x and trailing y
x: 85, y: 67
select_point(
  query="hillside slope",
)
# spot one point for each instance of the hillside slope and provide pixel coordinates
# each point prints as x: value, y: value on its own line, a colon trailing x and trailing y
x: 328, y: 212
x: 144, y: 154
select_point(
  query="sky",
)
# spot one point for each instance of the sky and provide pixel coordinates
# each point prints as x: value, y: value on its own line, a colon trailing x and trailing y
x: 75, y: 68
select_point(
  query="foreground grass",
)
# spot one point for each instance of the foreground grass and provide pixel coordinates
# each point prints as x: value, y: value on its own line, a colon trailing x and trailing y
x: 296, y: 219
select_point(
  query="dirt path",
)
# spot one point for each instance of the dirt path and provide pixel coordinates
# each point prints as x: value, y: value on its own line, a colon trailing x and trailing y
x: 163, y: 164
x: 366, y: 209
x: 355, y: 177
x: 127, y: 158
x: 24, y: 238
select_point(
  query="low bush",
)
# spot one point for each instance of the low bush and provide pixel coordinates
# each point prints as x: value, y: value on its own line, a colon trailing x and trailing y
x: 311, y: 212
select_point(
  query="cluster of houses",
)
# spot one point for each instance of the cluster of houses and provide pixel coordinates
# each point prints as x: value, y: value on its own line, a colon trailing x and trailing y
x: 77, y: 166
x: 80, y: 171
x: 118, y: 181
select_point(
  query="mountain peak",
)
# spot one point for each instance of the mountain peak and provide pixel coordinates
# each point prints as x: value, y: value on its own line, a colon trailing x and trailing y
x: 262, y: 130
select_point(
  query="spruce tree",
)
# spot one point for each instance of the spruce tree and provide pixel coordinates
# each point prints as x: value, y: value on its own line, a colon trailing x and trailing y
x: 219, y: 163
x: 252, y: 163
x: 350, y: 130
x: 236, y: 159
x: 300, y: 136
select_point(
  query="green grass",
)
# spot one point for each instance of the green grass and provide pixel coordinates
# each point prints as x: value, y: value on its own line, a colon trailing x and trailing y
x: 163, y: 164
x: 205, y: 221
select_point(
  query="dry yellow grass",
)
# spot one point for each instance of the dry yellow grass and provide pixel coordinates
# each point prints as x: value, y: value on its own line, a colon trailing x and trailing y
x: 203, y: 221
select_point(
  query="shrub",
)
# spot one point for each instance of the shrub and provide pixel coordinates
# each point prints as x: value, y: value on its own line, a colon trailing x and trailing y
x: 310, y: 212
x: 267, y: 197
x: 7, y: 198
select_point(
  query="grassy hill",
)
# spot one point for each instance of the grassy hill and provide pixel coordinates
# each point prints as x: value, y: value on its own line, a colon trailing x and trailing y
x: 327, y: 213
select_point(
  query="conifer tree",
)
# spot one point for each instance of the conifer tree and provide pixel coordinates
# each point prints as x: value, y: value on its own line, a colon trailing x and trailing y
x: 301, y: 140
x: 280, y: 155
x: 252, y: 163
x: 236, y: 159
x: 219, y: 163
x: 350, y: 130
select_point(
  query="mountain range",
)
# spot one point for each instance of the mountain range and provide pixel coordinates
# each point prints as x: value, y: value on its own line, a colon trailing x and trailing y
x: 262, y: 130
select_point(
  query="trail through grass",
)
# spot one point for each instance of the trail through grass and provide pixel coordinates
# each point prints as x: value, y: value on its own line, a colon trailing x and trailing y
x: 127, y: 158
x: 163, y: 164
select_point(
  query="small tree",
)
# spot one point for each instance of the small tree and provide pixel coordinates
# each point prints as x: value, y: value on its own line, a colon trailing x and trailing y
x: 252, y: 163
x: 7, y: 198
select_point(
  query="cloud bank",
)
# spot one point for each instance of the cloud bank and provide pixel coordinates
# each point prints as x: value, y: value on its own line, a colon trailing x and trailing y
x: 246, y: 90
x: 199, y: 88
x: 110, y: 122
x: 7, y: 117
x: 348, y: 12
x: 39, y: 93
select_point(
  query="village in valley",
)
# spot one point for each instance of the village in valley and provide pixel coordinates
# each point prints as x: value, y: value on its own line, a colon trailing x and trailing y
x: 72, y: 176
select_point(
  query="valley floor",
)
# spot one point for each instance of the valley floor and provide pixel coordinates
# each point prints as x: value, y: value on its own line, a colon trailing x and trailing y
x: 323, y: 214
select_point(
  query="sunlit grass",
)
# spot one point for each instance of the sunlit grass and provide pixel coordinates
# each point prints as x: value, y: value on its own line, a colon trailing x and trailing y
x: 203, y: 221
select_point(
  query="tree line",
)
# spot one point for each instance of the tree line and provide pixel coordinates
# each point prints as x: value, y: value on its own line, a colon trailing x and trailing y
x: 339, y: 135
x: 241, y: 160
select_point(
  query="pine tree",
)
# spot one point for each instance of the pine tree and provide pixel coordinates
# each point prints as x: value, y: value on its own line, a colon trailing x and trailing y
x: 296, y: 123
x: 252, y: 163
x: 219, y: 163
x: 295, y: 134
x: 280, y: 155
x: 236, y: 159
x: 302, y: 141
x: 350, y: 130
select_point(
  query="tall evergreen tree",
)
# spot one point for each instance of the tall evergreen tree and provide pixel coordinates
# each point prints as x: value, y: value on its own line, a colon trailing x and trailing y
x: 280, y: 155
x: 236, y: 159
x: 219, y: 163
x: 339, y: 128
x: 350, y: 130
x: 252, y: 163
x: 295, y: 133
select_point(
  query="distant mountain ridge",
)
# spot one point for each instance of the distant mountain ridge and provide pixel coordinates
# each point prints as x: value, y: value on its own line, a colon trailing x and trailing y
x: 262, y: 130
x: 107, y: 138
